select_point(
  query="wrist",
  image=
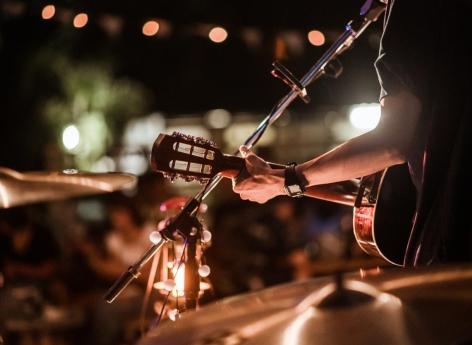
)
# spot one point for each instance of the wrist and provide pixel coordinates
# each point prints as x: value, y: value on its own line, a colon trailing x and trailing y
x: 294, y: 181
x: 276, y: 178
x: 301, y: 176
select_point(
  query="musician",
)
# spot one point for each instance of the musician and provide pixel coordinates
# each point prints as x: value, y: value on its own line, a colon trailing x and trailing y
x: 425, y: 78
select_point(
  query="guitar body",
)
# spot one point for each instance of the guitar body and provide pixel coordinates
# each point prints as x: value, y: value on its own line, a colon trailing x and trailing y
x: 384, y: 217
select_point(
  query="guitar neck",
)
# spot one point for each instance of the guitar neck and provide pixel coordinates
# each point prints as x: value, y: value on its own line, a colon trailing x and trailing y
x: 344, y: 192
x: 233, y: 166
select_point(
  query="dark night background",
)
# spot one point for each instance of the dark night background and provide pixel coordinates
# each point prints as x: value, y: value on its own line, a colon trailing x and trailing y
x: 183, y: 73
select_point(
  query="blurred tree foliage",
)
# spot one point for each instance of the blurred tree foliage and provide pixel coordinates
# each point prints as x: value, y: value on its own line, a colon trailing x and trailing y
x: 90, y: 97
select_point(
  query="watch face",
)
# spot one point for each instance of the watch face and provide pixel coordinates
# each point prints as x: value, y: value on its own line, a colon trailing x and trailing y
x: 294, y: 189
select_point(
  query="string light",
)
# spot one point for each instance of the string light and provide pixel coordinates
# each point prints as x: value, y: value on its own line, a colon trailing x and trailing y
x: 80, y: 20
x: 218, y: 34
x: 316, y: 38
x: 113, y: 25
x: 150, y: 28
x: 48, y: 12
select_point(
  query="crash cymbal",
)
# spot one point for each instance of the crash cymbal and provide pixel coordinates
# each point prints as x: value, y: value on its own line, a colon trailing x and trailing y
x: 18, y: 188
x: 386, y: 306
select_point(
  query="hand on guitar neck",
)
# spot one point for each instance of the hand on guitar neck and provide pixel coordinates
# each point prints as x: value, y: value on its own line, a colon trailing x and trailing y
x: 183, y: 156
x: 376, y: 231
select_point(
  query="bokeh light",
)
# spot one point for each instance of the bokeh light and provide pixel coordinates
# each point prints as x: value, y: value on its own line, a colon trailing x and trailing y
x: 365, y: 116
x: 48, y: 12
x: 218, y: 34
x: 70, y: 137
x: 150, y: 28
x: 218, y: 118
x: 80, y: 20
x: 316, y: 38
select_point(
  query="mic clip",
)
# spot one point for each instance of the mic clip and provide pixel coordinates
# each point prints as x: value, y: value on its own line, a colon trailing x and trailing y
x: 281, y: 72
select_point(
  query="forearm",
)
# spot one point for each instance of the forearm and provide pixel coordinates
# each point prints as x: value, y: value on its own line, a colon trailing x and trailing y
x: 355, y: 158
x: 387, y: 145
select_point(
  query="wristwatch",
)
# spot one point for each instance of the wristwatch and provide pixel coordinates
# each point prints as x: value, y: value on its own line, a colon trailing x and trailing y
x: 293, y: 186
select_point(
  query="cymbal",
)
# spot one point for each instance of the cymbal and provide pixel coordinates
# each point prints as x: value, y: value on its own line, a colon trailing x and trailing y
x: 18, y: 188
x: 385, y: 306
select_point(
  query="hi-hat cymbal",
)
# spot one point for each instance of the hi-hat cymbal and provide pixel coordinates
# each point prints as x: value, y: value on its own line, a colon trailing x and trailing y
x: 18, y: 188
x: 392, y: 306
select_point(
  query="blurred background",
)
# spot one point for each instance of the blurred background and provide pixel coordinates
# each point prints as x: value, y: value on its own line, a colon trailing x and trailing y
x: 90, y: 85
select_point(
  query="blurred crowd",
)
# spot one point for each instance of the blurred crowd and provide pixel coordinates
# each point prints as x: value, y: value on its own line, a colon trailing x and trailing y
x: 58, y: 259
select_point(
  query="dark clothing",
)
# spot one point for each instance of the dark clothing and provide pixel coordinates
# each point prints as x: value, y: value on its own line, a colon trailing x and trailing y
x: 426, y: 47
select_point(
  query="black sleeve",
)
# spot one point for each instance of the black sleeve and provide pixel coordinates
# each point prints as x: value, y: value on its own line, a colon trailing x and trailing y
x: 405, y: 48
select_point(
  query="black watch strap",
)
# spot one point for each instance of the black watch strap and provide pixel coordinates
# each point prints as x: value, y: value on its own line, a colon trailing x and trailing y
x: 293, y: 185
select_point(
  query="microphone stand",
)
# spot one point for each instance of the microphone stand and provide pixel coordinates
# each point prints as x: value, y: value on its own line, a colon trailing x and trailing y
x: 370, y: 12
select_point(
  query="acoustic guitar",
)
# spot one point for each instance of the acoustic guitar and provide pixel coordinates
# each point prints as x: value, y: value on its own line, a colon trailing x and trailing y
x: 379, y: 228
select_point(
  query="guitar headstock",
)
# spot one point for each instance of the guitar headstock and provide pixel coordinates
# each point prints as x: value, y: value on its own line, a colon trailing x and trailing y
x: 187, y: 157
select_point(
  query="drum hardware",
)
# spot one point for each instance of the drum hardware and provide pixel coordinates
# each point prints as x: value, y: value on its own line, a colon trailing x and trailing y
x: 429, y: 305
x: 18, y: 188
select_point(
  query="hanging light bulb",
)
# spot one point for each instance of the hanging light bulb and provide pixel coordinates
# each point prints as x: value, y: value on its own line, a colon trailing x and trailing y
x: 204, y: 271
x: 155, y: 237
x: 206, y: 236
x: 174, y: 314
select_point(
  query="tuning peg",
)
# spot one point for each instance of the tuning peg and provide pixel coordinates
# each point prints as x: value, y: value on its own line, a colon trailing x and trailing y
x: 203, y: 180
x: 176, y: 134
x: 203, y: 141
x: 189, y: 178
x: 170, y: 176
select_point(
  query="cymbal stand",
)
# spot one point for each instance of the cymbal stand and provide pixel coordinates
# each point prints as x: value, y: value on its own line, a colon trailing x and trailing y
x: 326, y: 65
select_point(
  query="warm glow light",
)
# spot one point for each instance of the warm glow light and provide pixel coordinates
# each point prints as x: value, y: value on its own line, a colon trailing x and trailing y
x: 150, y: 28
x: 80, y: 20
x: 218, y: 34
x: 48, y: 12
x: 155, y: 237
x: 365, y: 116
x: 218, y: 118
x: 179, y: 278
x: 70, y: 137
x: 316, y: 38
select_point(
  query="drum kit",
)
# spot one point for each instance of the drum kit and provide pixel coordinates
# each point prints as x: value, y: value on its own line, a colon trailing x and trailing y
x: 424, y: 306
x: 373, y: 306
